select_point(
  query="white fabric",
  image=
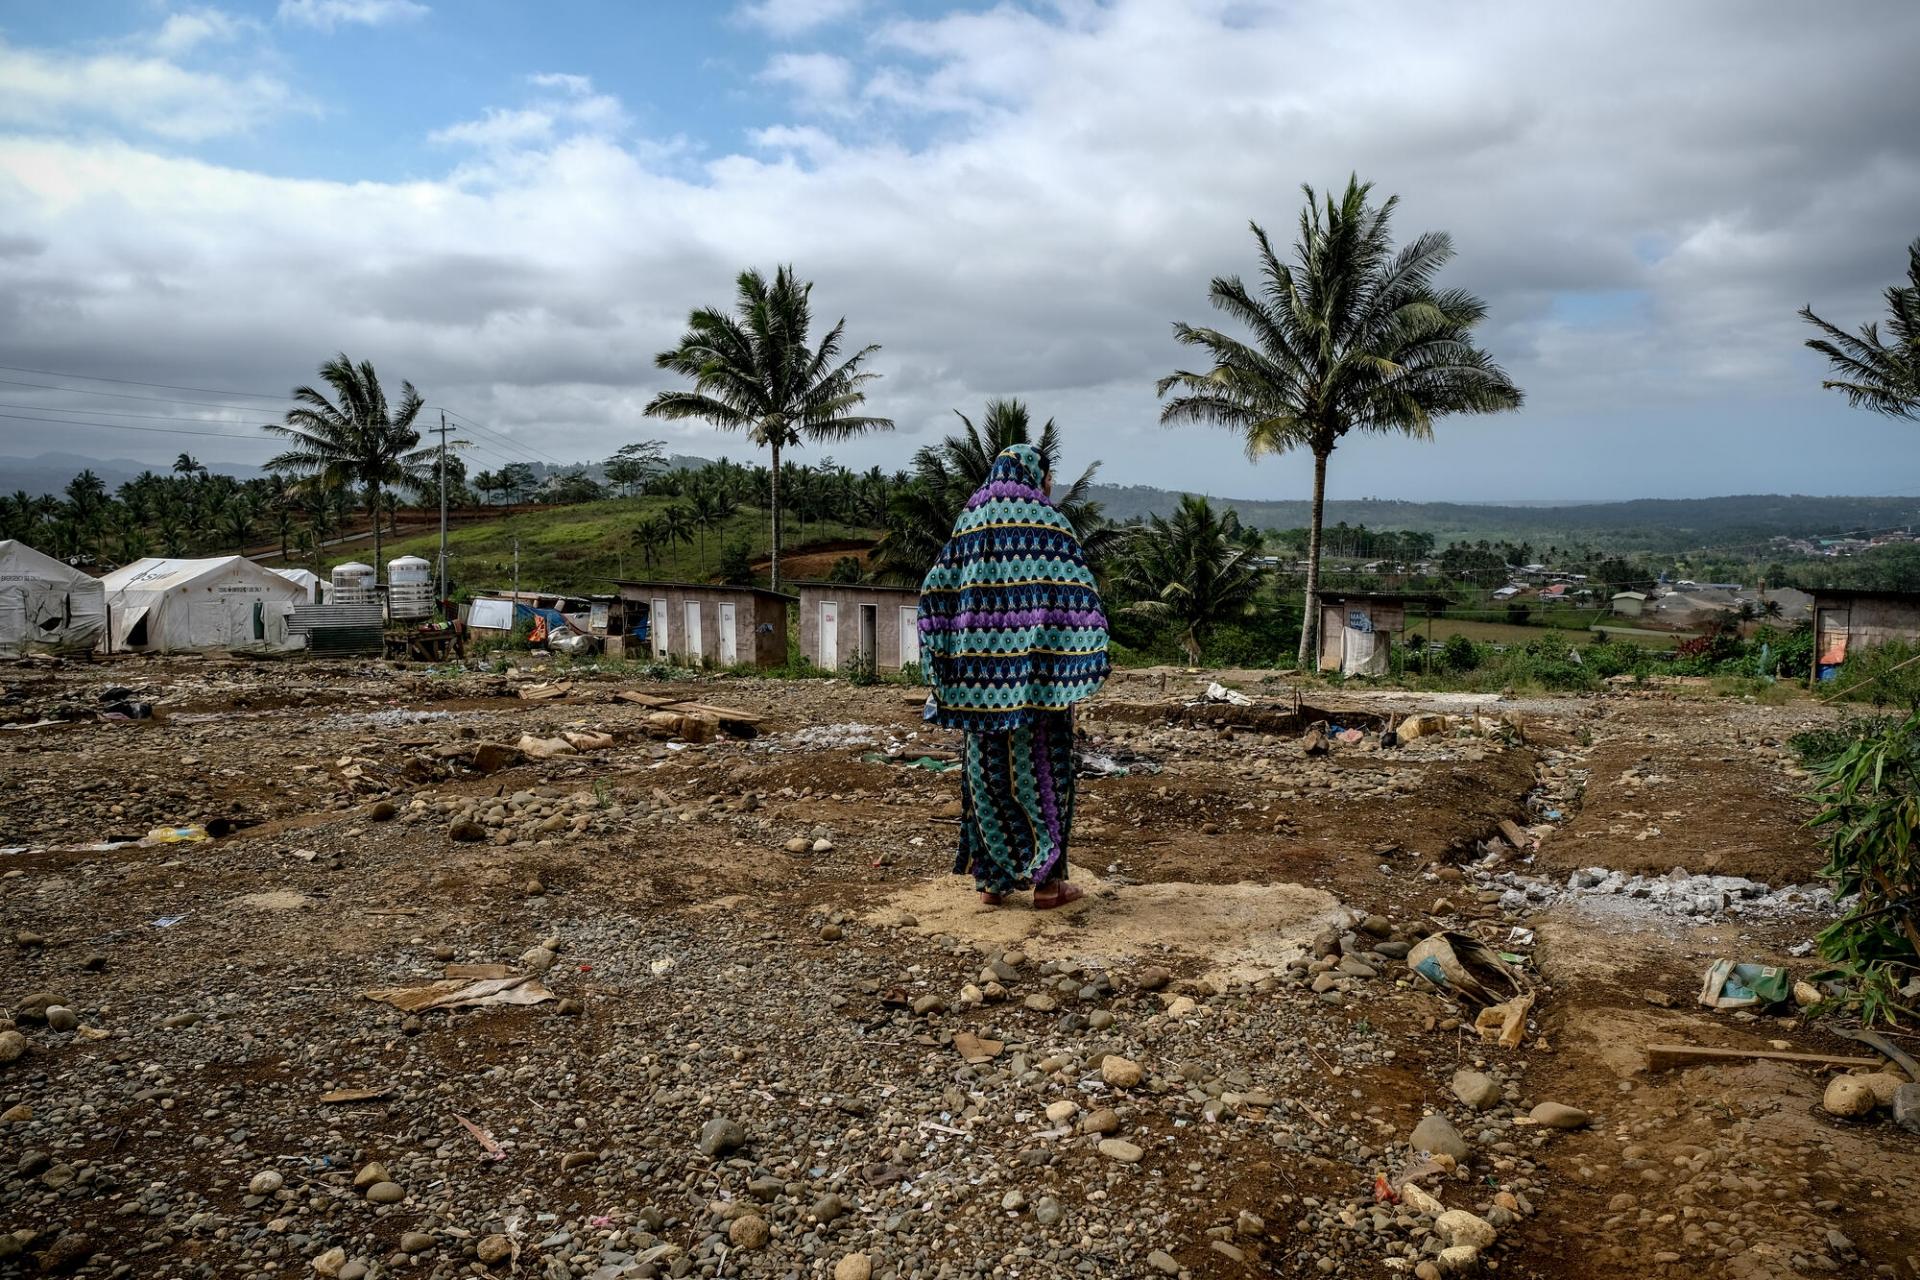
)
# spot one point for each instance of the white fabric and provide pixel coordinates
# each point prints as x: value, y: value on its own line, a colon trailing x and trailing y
x: 224, y: 603
x: 46, y: 606
x: 1361, y: 654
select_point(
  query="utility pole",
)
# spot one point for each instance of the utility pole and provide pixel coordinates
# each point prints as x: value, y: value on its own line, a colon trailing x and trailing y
x: 441, y: 594
x: 516, y: 575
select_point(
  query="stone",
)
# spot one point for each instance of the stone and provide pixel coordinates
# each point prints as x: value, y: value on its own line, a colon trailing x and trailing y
x: 828, y: 1207
x: 384, y: 811
x: 1120, y: 1149
x: 1048, y: 1212
x: 61, y: 1018
x: 1463, y: 1229
x: 1180, y: 1006
x: 1884, y: 1085
x: 1557, y: 1115
x: 18, y: 1113
x: 266, y: 1183
x: 1152, y: 978
x: 855, y: 1266
x: 1458, y: 1257
x: 749, y: 1232
x: 1476, y: 1089
x: 1105, y: 1120
x: 1848, y: 1096
x: 1062, y: 1111
x: 417, y: 1241
x: 1418, y: 1199
x: 492, y: 1249
x: 1426, y: 1271
x: 722, y: 1137
x: 1163, y: 1262
x: 1437, y: 1136
x: 577, y: 1160
x: 329, y: 1263
x: 386, y: 1193
x: 1906, y: 1107
x: 831, y: 933
x: 466, y: 831
x: 13, y: 1046
x: 354, y: 1270
x: 370, y: 1174
x: 1119, y: 1072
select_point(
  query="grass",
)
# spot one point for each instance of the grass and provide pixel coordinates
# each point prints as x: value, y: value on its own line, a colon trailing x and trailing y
x: 580, y: 549
x: 1510, y: 633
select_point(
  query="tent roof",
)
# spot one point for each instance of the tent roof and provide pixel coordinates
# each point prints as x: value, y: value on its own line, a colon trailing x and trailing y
x: 18, y: 560
x: 155, y: 575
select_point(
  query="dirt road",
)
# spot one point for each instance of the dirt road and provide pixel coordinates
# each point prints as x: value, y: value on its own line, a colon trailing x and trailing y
x: 773, y: 1037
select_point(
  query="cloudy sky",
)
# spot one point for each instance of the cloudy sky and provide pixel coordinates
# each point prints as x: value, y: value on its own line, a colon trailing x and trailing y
x: 515, y: 204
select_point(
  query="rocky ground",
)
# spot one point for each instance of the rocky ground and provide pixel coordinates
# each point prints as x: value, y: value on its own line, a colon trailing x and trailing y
x: 774, y: 1038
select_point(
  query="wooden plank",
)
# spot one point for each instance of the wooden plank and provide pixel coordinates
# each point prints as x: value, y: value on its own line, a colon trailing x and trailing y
x: 652, y: 700
x: 1660, y: 1057
x: 719, y: 713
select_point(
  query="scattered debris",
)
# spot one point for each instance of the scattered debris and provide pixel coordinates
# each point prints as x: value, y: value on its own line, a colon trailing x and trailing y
x: 459, y: 993
x: 1743, y: 986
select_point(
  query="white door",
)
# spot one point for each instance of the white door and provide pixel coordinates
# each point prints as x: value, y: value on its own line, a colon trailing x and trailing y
x: 909, y: 635
x: 829, y: 635
x: 657, y: 623
x: 209, y: 625
x: 694, y: 649
x: 729, y: 646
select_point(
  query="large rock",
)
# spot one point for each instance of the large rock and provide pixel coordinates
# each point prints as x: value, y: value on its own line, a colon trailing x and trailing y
x: 13, y: 1046
x: 1476, y: 1089
x: 855, y: 1266
x: 749, y: 1232
x: 1463, y: 1229
x: 1848, y: 1096
x: 1119, y: 1072
x: 1437, y: 1136
x: 1906, y: 1107
x: 1120, y: 1149
x: 722, y: 1137
x: 1557, y: 1115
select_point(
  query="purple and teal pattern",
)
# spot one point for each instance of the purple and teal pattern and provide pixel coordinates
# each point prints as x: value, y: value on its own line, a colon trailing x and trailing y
x: 1011, y: 625
x: 1016, y: 797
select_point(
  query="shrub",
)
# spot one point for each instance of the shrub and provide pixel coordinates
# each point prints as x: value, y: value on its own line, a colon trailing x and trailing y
x: 1875, y: 675
x: 1870, y: 809
x: 1459, y: 654
x: 736, y: 565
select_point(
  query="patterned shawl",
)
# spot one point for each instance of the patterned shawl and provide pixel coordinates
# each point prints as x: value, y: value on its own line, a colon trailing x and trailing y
x: 1010, y: 621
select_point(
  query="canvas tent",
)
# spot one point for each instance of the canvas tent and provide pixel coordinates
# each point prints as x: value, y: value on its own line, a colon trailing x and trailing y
x: 45, y: 606
x: 307, y: 580
x: 165, y: 606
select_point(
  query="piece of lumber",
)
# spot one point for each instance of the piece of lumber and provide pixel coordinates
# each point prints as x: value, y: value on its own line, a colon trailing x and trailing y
x: 719, y: 713
x: 652, y: 700
x: 1661, y: 1057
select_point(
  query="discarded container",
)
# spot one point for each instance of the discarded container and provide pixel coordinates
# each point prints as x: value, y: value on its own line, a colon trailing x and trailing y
x: 177, y: 835
x: 1466, y: 968
x: 1742, y: 986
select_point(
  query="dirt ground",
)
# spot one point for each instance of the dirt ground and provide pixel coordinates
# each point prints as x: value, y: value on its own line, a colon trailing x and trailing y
x: 762, y: 934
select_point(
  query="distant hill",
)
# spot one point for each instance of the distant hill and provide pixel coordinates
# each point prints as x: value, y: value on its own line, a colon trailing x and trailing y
x: 49, y: 472
x: 1643, y: 524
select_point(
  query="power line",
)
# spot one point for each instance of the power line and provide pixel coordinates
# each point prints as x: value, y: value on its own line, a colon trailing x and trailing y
x: 120, y: 395
x: 122, y: 426
x: 536, y: 455
x: 112, y: 413
x: 131, y: 382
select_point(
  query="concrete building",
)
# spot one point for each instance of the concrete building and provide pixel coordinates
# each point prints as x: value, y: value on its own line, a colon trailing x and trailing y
x: 1845, y: 622
x: 699, y: 623
x: 1357, y: 628
x: 845, y: 624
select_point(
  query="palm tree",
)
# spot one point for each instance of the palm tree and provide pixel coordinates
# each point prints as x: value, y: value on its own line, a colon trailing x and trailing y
x: 922, y: 510
x: 755, y: 372
x: 1872, y: 373
x: 676, y: 525
x: 236, y: 523
x: 189, y: 466
x: 356, y: 438
x: 711, y: 507
x: 1191, y: 567
x: 1352, y: 336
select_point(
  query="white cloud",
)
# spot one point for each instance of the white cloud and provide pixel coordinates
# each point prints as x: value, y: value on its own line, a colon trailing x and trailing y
x: 820, y: 81
x: 141, y: 93
x: 576, y: 108
x: 793, y: 17
x: 328, y: 14
x: 1642, y: 219
x: 187, y: 30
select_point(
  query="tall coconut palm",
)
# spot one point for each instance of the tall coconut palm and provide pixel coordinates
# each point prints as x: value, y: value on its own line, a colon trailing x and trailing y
x: 1350, y: 336
x: 710, y: 507
x: 356, y: 438
x: 1871, y: 372
x: 755, y: 371
x: 1192, y: 567
x: 922, y: 510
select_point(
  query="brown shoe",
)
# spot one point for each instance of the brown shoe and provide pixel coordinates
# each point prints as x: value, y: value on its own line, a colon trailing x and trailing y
x: 1049, y: 899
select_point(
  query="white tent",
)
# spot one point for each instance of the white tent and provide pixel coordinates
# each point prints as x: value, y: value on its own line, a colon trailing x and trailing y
x: 163, y: 606
x: 46, y: 606
x: 306, y: 579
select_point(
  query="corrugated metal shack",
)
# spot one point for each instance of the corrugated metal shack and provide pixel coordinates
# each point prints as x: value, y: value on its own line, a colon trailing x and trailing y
x: 338, y: 629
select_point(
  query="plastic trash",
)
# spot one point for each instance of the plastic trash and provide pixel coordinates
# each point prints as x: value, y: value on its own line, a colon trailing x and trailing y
x: 167, y: 922
x: 177, y: 835
x: 1465, y: 967
x: 1742, y: 986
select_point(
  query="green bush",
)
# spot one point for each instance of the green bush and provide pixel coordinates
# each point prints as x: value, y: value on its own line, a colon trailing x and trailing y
x: 1459, y: 654
x: 1875, y: 675
x: 1870, y: 810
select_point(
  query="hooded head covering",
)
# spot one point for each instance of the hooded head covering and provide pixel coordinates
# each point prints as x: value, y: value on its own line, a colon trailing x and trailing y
x: 1010, y: 620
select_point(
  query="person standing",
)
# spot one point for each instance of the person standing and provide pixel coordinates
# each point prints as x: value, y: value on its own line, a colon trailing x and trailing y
x: 1012, y: 635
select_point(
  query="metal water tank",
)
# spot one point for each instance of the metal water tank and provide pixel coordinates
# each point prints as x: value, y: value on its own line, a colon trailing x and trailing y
x: 409, y: 588
x: 353, y: 583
